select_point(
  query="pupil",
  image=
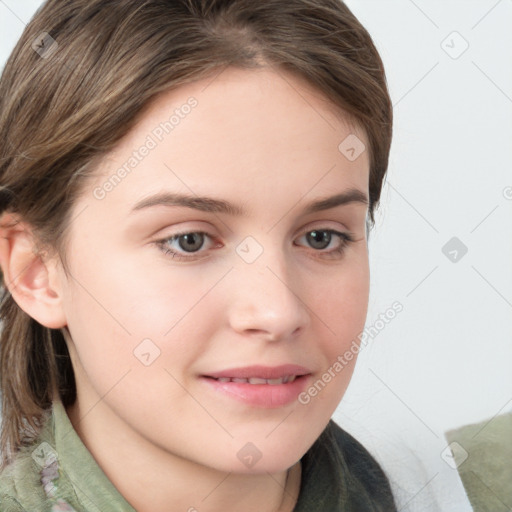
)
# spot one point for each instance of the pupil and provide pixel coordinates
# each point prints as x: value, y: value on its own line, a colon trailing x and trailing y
x: 317, y: 236
x: 190, y: 239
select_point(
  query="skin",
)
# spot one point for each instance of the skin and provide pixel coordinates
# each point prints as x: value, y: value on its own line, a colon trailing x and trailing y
x: 268, y: 141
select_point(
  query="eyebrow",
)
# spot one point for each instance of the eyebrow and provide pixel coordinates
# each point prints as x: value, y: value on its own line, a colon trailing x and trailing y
x: 213, y: 205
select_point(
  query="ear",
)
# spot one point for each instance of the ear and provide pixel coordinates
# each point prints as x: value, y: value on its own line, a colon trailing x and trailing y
x: 34, y: 284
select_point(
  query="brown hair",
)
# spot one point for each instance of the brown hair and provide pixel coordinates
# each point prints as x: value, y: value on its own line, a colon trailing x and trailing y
x: 67, y: 98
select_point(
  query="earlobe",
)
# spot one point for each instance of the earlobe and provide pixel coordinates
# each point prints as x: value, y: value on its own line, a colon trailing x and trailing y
x: 32, y: 282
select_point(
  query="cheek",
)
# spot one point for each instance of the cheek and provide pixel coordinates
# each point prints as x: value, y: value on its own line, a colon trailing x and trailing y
x: 343, y: 303
x: 342, y: 309
x: 122, y: 316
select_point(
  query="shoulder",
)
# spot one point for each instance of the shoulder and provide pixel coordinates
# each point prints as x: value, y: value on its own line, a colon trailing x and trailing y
x: 9, y: 504
x: 20, y: 485
x: 360, y: 482
x: 21, y: 488
x: 361, y: 463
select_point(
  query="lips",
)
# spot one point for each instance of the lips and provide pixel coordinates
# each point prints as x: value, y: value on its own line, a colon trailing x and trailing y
x: 259, y: 386
x: 261, y: 374
x: 257, y: 380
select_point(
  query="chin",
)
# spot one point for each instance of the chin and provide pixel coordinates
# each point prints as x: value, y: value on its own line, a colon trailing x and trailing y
x: 272, y: 453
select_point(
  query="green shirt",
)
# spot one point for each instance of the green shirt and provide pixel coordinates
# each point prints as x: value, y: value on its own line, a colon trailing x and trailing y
x: 58, y: 473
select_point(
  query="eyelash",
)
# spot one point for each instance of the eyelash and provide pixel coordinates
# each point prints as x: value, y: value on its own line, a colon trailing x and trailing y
x: 346, y: 238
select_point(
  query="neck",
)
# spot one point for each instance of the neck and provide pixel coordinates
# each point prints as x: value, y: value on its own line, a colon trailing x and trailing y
x: 156, y: 477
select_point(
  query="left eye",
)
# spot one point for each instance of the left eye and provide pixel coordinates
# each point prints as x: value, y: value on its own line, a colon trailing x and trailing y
x: 192, y: 242
x: 188, y: 242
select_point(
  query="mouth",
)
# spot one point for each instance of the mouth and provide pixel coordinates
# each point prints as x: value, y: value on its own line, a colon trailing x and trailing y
x: 258, y: 380
x: 259, y: 386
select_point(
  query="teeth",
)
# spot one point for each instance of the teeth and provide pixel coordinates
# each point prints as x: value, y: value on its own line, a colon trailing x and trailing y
x: 257, y: 380
x: 274, y: 382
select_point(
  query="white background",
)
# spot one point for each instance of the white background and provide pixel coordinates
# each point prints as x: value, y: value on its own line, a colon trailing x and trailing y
x: 446, y: 359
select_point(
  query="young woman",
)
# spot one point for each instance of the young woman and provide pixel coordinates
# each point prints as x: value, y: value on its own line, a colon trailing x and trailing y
x: 186, y: 192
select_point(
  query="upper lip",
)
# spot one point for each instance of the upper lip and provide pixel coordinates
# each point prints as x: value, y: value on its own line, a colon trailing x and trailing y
x: 261, y: 372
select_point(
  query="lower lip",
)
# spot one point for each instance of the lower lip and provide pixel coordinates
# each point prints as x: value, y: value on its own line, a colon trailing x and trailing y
x: 261, y: 395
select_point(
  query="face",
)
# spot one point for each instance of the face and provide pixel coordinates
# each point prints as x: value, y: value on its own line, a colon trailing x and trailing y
x: 167, y: 303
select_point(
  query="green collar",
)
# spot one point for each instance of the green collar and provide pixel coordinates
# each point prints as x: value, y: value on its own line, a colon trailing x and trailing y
x: 338, y: 474
x: 90, y: 484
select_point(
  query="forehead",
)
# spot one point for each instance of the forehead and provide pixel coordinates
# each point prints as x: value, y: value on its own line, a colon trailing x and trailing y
x: 245, y: 134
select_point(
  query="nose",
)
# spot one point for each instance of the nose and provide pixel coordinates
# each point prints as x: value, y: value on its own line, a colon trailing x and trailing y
x: 267, y: 301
